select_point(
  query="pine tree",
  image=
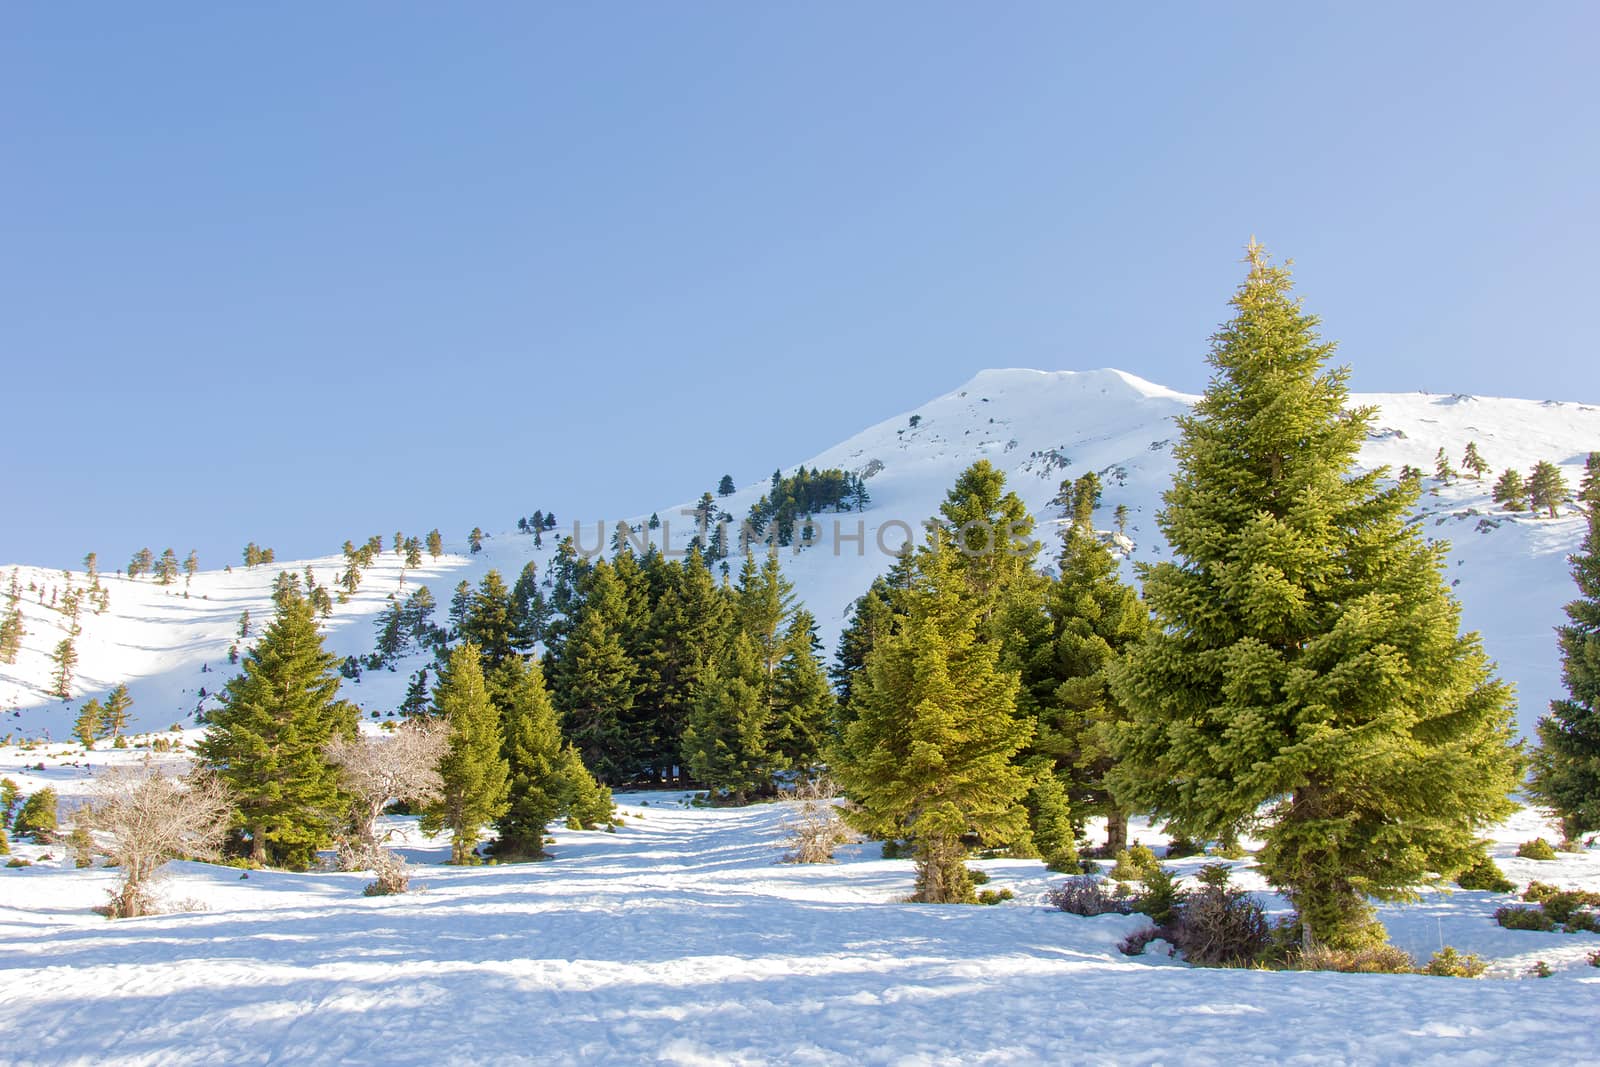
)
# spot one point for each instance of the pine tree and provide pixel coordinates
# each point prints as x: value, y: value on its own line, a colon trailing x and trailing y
x: 1307, y: 654
x: 874, y: 614
x: 167, y: 567
x: 415, y: 703
x: 66, y: 660
x: 1441, y: 467
x: 1547, y: 488
x: 1511, y: 491
x: 435, y: 544
x: 413, y: 553
x: 687, y: 630
x: 1566, y: 765
x: 266, y: 741
x: 114, y: 720
x: 475, y: 540
x: 191, y: 565
x: 929, y: 755
x: 528, y: 605
x: 1473, y: 463
x: 460, y: 605
x: 725, y: 487
x: 474, y: 769
x: 1589, y: 486
x: 533, y: 751
x: 87, y: 725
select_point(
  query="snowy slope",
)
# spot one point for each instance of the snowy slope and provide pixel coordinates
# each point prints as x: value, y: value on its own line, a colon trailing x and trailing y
x: 1039, y: 427
x: 680, y: 940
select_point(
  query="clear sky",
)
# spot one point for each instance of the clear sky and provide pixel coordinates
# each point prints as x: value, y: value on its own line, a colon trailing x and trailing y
x: 308, y: 272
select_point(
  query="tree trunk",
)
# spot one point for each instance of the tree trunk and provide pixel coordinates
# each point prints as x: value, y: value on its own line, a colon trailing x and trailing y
x: 258, y: 844
x: 1116, y: 830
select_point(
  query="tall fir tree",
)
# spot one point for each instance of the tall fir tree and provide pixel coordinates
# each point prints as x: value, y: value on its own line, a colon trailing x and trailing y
x: 1566, y: 765
x: 12, y: 631
x: 87, y: 725
x: 929, y: 756
x: 802, y: 706
x: 267, y: 740
x: 65, y: 658
x: 1308, y: 658
x: 595, y: 678
x: 1473, y: 462
x: 1511, y: 491
x: 491, y: 622
x: 474, y: 768
x: 533, y: 752
x: 725, y: 739
x: 435, y: 544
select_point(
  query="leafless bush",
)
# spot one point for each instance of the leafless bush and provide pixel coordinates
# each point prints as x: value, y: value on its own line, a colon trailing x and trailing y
x: 1086, y: 895
x: 145, y: 818
x: 1219, y: 926
x: 814, y: 828
x: 393, y: 873
x: 403, y: 766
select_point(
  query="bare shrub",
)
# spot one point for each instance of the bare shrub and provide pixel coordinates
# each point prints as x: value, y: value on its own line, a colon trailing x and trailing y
x: 392, y: 871
x: 1086, y: 895
x: 1219, y: 926
x: 814, y: 828
x: 1374, y: 959
x: 403, y: 766
x: 145, y: 818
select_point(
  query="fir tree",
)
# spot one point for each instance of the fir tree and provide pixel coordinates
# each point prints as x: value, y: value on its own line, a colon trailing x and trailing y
x: 167, y: 567
x: 435, y: 544
x: 1547, y: 488
x: 1589, y: 486
x: 475, y: 540
x: 66, y: 660
x: 86, y: 727
x: 1511, y: 491
x: 725, y: 487
x: 528, y: 605
x: 1473, y: 463
x: 688, y: 629
x: 1566, y: 765
x: 460, y: 605
x: 191, y: 565
x: 724, y: 742
x: 413, y: 553
x: 595, y: 690
x: 244, y: 625
x: 266, y: 741
x: 114, y: 719
x: 1441, y: 467
x: 474, y: 769
x: 415, y: 703
x: 533, y: 751
x: 1093, y: 618
x: 803, y: 707
x: 12, y: 632
x: 1307, y: 656
x: 929, y: 755
x: 491, y: 622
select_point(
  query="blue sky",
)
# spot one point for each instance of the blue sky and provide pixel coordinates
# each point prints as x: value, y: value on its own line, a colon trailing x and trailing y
x: 303, y: 273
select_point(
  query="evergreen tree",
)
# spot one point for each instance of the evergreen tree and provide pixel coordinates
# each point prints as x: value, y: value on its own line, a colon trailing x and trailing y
x: 191, y: 565
x: 595, y: 689
x: 167, y: 567
x: 991, y: 533
x: 1473, y: 463
x: 1093, y: 618
x: 87, y: 725
x: 1441, y: 467
x: 12, y: 632
x: 1085, y: 499
x: 415, y: 703
x: 66, y: 660
x: 1511, y: 491
x: 114, y: 719
x: 435, y: 544
x: 688, y: 629
x: 929, y: 755
x: 1566, y: 765
x: 475, y: 540
x: 803, y: 707
x: 460, y: 605
x: 533, y: 751
x: 267, y: 739
x: 1547, y: 488
x: 874, y: 614
x: 724, y: 742
x: 474, y: 769
x: 491, y: 622
x: 1589, y: 487
x: 1307, y: 654
x: 413, y: 553
x: 725, y: 487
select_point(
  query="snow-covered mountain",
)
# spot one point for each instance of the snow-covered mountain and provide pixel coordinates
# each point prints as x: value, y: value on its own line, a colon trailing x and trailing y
x: 1509, y: 570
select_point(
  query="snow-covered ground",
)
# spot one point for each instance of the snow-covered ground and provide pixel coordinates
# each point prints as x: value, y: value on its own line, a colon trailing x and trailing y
x: 681, y: 939
x: 1509, y: 570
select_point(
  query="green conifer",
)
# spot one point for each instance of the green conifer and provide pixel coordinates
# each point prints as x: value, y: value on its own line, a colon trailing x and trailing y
x: 1511, y: 491
x: 114, y: 719
x: 533, y: 751
x: 65, y: 658
x: 1547, y: 487
x: 474, y: 769
x: 724, y: 742
x: 86, y: 727
x: 1473, y: 463
x: 1566, y: 765
x: 435, y: 544
x: 595, y: 690
x: 1308, y: 658
x: 929, y: 756
x: 266, y: 741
